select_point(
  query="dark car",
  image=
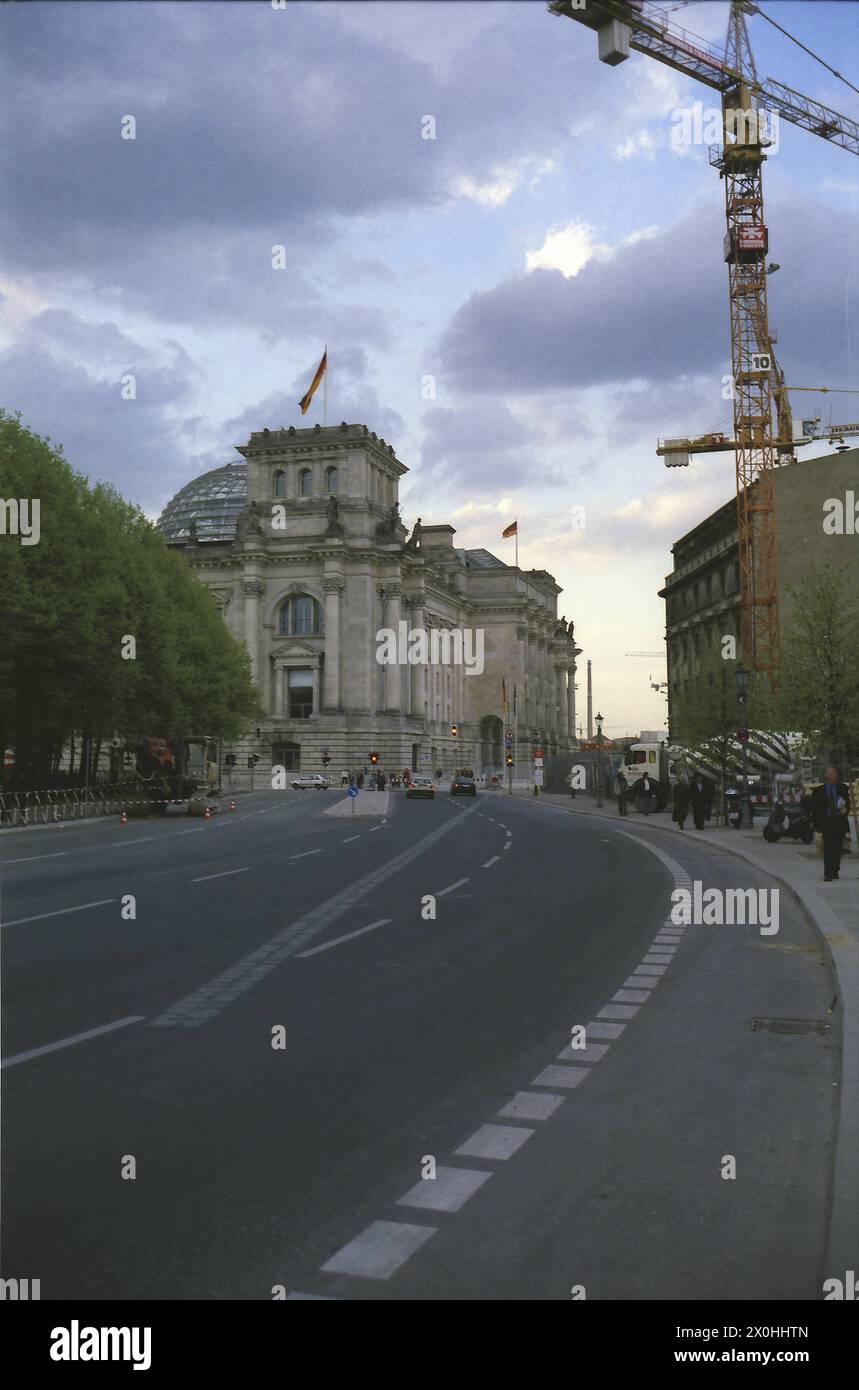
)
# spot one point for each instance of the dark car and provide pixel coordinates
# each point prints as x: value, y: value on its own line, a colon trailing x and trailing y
x: 463, y: 784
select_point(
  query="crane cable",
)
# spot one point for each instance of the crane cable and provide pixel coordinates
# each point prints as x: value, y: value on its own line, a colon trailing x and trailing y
x: 757, y: 10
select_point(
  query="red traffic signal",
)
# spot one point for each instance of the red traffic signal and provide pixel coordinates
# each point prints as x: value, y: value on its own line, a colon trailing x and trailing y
x: 743, y: 735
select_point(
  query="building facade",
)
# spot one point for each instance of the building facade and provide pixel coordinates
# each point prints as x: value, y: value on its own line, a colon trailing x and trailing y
x: 702, y: 593
x: 303, y: 548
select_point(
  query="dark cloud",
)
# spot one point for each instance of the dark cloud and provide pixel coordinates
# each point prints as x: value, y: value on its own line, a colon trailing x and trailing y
x: 658, y: 310
x: 255, y: 127
x: 482, y: 448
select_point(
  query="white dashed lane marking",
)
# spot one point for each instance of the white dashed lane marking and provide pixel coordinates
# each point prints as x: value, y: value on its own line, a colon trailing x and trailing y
x: 507, y: 844
x: 60, y: 912
x: 121, y: 844
x: 378, y: 1252
x: 618, y: 1011
x: 31, y: 859
x: 490, y: 862
x: 649, y: 970
x: 350, y: 839
x: 631, y: 996
x: 326, y: 945
x: 604, y: 1030
x: 568, y: 1077
x: 494, y: 1141
x: 641, y: 982
x: 225, y: 874
x: 591, y: 1053
x: 450, y: 887
x: 531, y: 1105
x: 449, y: 1190
x: 305, y: 854
x: 71, y: 1041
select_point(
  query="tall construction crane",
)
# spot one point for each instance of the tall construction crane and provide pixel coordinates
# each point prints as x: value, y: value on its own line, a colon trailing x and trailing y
x: 761, y: 407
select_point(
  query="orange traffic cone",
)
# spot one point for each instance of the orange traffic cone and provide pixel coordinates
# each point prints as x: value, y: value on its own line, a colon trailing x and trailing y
x: 232, y: 806
x: 123, y: 819
x: 207, y: 815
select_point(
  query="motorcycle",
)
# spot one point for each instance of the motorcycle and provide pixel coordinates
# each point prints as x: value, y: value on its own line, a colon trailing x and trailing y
x: 790, y: 823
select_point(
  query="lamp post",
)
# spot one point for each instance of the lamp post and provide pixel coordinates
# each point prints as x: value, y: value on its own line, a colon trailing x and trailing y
x: 742, y: 679
x: 599, y: 759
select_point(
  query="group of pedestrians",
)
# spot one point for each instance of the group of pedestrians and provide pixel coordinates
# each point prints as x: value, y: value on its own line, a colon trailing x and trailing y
x: 693, y: 797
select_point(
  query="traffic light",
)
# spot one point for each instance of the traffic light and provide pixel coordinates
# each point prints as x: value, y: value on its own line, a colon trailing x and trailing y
x: 453, y: 730
x: 230, y: 760
x: 253, y: 759
x: 325, y: 759
x: 374, y: 758
x: 509, y: 760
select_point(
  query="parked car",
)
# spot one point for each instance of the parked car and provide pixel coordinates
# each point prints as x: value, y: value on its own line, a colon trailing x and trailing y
x: 463, y: 784
x: 420, y: 786
x: 307, y: 782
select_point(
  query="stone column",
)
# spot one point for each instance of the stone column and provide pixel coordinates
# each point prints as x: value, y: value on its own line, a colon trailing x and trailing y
x: 314, y: 677
x: 563, y: 707
x: 333, y: 588
x: 252, y: 589
x: 416, y: 673
x: 391, y: 595
x: 571, y: 700
x: 279, y: 700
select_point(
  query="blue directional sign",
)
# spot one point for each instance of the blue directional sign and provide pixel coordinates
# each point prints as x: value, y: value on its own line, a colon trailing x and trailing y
x: 353, y: 791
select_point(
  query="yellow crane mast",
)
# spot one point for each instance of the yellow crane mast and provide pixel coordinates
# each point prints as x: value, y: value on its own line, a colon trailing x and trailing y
x: 762, y: 419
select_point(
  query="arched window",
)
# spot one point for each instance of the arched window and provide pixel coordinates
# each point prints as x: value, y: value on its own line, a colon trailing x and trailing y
x: 280, y: 483
x: 305, y: 482
x: 301, y: 616
x: 332, y: 480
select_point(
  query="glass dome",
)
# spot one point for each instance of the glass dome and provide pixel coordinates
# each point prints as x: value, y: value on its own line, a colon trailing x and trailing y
x: 211, y: 504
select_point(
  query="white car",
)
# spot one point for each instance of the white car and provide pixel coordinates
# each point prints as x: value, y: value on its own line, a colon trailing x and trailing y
x: 317, y: 783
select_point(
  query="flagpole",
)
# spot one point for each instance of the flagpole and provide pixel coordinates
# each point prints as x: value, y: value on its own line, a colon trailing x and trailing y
x: 325, y: 390
x: 517, y: 545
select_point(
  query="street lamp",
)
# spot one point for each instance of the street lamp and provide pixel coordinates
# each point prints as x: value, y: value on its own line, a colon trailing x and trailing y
x: 742, y: 678
x: 599, y: 760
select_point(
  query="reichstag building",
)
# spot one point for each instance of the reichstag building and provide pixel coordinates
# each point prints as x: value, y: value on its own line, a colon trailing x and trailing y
x: 303, y: 548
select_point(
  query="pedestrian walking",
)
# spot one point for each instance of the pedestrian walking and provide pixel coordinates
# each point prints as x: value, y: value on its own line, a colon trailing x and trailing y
x: 680, y: 805
x: 698, y: 800
x: 829, y: 806
x: 646, y: 793
x: 344, y: 778
x: 620, y: 790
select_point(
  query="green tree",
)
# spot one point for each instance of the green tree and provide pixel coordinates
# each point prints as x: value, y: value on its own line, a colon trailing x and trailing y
x: 818, y: 692
x: 101, y: 573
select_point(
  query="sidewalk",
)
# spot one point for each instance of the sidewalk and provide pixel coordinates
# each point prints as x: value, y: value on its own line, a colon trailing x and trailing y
x: 834, y: 912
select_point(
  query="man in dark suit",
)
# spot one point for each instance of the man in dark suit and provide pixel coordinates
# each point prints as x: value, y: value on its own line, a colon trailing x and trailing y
x: 698, y: 800
x: 829, y: 807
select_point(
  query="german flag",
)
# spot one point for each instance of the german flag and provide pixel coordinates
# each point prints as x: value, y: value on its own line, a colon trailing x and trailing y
x: 304, y: 403
x: 511, y: 530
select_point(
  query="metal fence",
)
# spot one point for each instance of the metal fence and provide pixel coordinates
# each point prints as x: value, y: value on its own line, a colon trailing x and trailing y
x: 74, y: 803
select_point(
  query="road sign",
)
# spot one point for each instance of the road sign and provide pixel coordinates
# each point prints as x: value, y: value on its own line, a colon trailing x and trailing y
x: 538, y: 752
x: 538, y: 762
x: 9, y: 757
x: 743, y: 735
x: 538, y: 777
x: 508, y: 738
x: 353, y: 791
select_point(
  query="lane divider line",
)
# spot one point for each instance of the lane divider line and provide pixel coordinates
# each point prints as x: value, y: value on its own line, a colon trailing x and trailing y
x: 378, y: 1251
x: 450, y: 887
x: 489, y: 862
x: 305, y: 854
x: 61, y: 912
x: 326, y: 945
x: 72, y: 1041
x: 226, y: 874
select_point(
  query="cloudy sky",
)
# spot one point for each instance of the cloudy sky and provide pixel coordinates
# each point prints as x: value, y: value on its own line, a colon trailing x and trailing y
x: 521, y: 304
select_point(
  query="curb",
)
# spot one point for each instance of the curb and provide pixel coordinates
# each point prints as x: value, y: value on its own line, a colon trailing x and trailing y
x: 842, y: 952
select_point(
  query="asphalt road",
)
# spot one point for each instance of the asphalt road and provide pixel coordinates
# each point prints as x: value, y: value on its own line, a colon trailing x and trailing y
x: 257, y: 1166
